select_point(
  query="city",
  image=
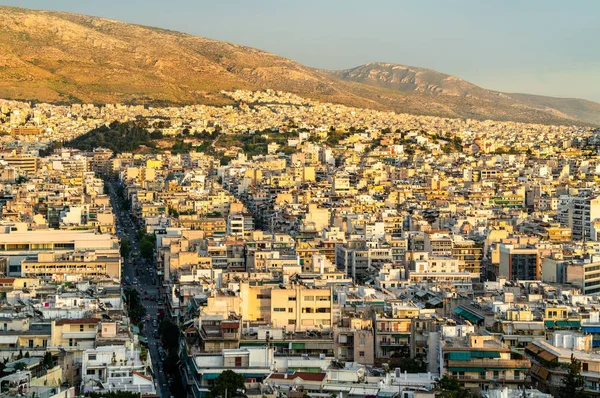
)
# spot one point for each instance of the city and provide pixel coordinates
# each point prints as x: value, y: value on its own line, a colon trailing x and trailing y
x: 376, y: 254
x: 184, y: 217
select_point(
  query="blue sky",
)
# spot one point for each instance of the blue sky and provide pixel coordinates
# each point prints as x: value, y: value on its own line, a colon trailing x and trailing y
x: 542, y: 47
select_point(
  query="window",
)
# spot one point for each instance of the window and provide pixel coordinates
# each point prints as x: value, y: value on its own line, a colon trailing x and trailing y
x: 290, y: 309
x: 279, y: 309
x: 496, y: 374
x: 70, y: 342
x: 309, y: 298
x: 92, y: 357
x: 238, y: 362
x: 584, y: 366
x: 322, y: 298
x: 30, y: 343
x: 361, y: 341
x: 361, y: 354
x: 92, y: 326
x: 91, y: 372
x: 291, y: 322
x: 81, y: 328
x: 324, y: 310
x: 291, y: 298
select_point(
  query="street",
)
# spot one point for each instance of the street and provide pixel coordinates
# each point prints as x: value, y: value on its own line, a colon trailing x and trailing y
x: 140, y: 274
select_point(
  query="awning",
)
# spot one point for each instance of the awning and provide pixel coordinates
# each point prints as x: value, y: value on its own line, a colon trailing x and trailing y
x: 459, y: 356
x: 485, y: 354
x: 548, y: 356
x: 9, y: 339
x: 361, y: 392
x: 471, y: 317
x: 210, y: 376
x: 590, y: 329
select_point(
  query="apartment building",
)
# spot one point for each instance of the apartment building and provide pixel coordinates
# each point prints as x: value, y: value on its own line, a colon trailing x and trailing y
x: 18, y: 245
x: 69, y: 266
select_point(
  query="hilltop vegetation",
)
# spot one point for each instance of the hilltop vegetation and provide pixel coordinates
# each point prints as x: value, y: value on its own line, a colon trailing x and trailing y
x: 118, y: 137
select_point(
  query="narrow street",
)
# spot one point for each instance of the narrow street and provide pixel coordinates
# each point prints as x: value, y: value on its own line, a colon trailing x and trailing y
x: 140, y: 274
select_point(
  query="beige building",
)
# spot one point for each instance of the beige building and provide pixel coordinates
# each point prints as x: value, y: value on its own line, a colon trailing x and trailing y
x: 60, y: 267
x: 295, y: 308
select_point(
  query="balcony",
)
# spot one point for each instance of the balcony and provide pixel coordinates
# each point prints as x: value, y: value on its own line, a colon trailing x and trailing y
x: 491, y: 364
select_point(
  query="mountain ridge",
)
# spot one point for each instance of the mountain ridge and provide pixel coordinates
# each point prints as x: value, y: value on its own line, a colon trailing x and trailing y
x: 62, y: 57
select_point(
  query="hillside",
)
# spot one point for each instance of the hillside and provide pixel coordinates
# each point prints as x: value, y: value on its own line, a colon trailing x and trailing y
x: 408, y: 79
x: 61, y: 57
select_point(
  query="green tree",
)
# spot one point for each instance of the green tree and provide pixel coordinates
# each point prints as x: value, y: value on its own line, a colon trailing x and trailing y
x: 229, y: 382
x: 125, y: 248
x: 136, y: 309
x: 20, y: 366
x: 573, y: 382
x: 169, y: 334
x: 147, y: 249
x: 48, y: 360
x: 449, y: 387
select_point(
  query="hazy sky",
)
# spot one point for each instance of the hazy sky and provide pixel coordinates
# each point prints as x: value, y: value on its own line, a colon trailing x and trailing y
x: 535, y: 46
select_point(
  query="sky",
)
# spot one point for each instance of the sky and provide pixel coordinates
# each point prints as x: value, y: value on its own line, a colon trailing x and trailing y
x: 546, y: 47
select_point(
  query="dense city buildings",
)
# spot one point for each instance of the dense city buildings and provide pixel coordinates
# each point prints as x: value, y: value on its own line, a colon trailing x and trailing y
x: 309, y: 247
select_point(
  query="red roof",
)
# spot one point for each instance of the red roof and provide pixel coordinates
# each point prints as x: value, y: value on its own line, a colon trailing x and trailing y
x: 230, y: 324
x: 307, y: 376
x: 7, y: 280
x: 141, y: 375
x: 77, y: 321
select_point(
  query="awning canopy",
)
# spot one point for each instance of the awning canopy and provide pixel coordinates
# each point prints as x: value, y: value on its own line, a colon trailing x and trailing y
x: 362, y: 392
x: 9, y: 339
x: 471, y: 317
x: 590, y: 329
x: 485, y: 354
x: 459, y: 356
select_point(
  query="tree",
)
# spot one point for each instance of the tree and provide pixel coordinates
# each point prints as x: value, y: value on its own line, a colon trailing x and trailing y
x: 169, y: 334
x: 449, y: 387
x: 125, y: 248
x: 573, y: 382
x: 147, y: 249
x: 48, y: 360
x: 20, y: 366
x: 229, y: 382
x: 137, y: 311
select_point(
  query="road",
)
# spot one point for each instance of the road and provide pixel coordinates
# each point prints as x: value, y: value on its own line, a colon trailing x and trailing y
x: 142, y: 276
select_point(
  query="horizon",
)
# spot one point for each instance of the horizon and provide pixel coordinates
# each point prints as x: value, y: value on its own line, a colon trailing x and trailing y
x: 508, y: 61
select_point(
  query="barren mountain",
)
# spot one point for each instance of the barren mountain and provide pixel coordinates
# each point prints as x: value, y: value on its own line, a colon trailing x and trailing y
x: 408, y: 79
x: 62, y: 57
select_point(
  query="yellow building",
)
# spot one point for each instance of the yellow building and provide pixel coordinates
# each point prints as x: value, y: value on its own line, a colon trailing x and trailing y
x: 69, y: 333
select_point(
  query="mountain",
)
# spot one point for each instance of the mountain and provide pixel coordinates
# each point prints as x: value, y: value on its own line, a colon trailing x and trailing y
x: 61, y: 57
x: 408, y: 79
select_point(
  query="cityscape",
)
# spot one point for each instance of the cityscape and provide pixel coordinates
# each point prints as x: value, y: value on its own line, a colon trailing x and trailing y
x: 278, y: 245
